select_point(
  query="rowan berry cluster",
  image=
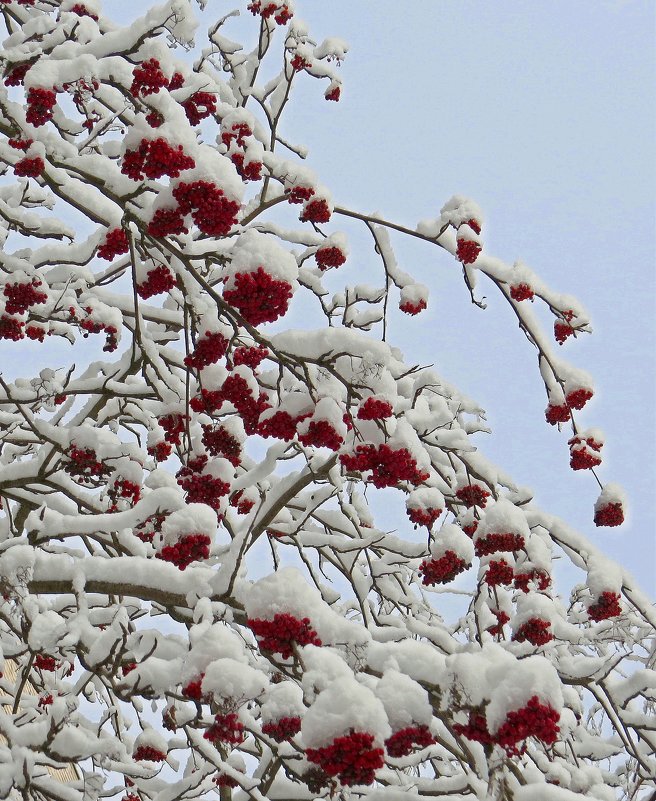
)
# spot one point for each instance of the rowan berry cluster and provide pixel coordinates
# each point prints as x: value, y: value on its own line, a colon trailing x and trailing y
x: 499, y: 573
x: 21, y: 296
x: 212, y: 212
x: 404, y: 741
x: 584, y: 453
x: 40, y: 103
x: 562, y: 331
x: 475, y: 729
x: 219, y: 442
x: 251, y: 357
x: 299, y: 194
x: 387, y: 466
x: 199, y: 106
x: 223, y: 780
x: 158, y: 280
x: 249, y: 171
x: 29, y: 167
x: 497, y: 541
x: 174, y: 425
x: 241, y: 504
x: 333, y: 94
x: 45, y: 662
x: 496, y: 630
x: 16, y: 75
x: 211, y: 347
x: 11, y: 328
x: 607, y: 605
x: 280, y: 425
x: 423, y: 517
x: 467, y: 250
x: 82, y: 11
x: 20, y: 144
x: 258, y: 297
x: 611, y: 515
x: 147, y: 753
x: 148, y: 78
x: 407, y: 307
x: 227, y: 728
x: 374, y: 409
x: 115, y: 244
x: 283, y: 632
x: 188, y: 549
x: 160, y: 451
x: 316, y: 211
x: 283, y: 729
x: 352, y: 758
x: 533, y: 720
x: 281, y: 14
x: 539, y: 577
x: 167, y: 222
x: 321, y: 434
x: 329, y: 257
x: 520, y: 292
x: 83, y: 464
x: 473, y: 495
x: 555, y: 414
x: 155, y: 158
x: 535, y: 630
x: 201, y: 487
x: 193, y: 689
x: 578, y: 398
x: 442, y: 570
x: 37, y: 333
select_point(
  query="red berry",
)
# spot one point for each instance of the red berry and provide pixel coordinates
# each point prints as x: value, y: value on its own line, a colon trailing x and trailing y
x: 149, y: 754
x: 40, y: 103
x: 534, y: 720
x: 21, y: 296
x: 423, y: 517
x: 538, y: 576
x: 607, y: 605
x: 210, y: 209
x: 502, y: 619
x: 227, y: 728
x: 578, y: 398
x: 283, y: 729
x: 373, y: 409
x: 188, y: 549
x: 535, y: 630
x: 148, y: 79
x: 44, y: 662
x: 521, y: 292
x: 258, y: 297
x: 412, y: 308
x: 329, y: 257
x: 562, y: 331
x: 199, y: 106
x: 29, y: 168
x: 403, y: 741
x: 219, y: 442
x: 387, y: 466
x: 557, y: 414
x: 209, y: 349
x: 283, y: 632
x: 316, y: 211
x: 442, y: 570
x: 155, y: 158
x: 475, y: 729
x: 333, y: 94
x: 610, y: 515
x: 492, y: 543
x: 473, y: 495
x: 499, y: 573
x: 115, y: 244
x: 467, y: 251
x: 158, y: 280
x: 167, y: 222
x: 352, y: 758
x: 16, y: 75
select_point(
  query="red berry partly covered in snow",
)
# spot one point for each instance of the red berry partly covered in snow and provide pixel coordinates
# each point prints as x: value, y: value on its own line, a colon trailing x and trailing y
x: 536, y: 719
x: 562, y: 331
x: 227, y: 728
x: 387, y: 466
x: 316, y: 211
x: 539, y: 577
x: 174, y: 425
x: 333, y: 94
x: 555, y: 414
x: 499, y: 573
x: 167, y: 222
x: 423, y: 517
x: 115, y: 244
x: 578, y: 398
x: 258, y: 297
x: 352, y: 758
x: 329, y: 257
x: 521, y: 292
x: 611, y: 515
x: 209, y: 349
x: 219, y: 442
x: 607, y: 605
x: 321, y: 434
x: 148, y: 79
x: 467, y: 251
x: 210, y: 209
x: 40, y: 103
x: 442, y: 570
x: 188, y: 549
x: 199, y: 106
x: 251, y: 357
x: 148, y: 754
x: 374, y: 409
x: 534, y: 630
x: 29, y: 167
x: 404, y: 741
x: 495, y: 542
x: 283, y: 729
x: 283, y: 632
x: 475, y: 729
x: 20, y: 297
x: 473, y: 495
x: 412, y: 308
x: 155, y: 158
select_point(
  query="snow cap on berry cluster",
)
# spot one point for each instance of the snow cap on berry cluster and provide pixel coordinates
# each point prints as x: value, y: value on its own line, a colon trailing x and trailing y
x: 152, y: 740
x: 473, y: 673
x: 287, y: 592
x: 208, y: 643
x: 604, y: 575
x: 405, y: 436
x: 330, y: 411
x: 253, y: 250
x: 405, y: 701
x: 194, y: 518
x: 528, y: 677
x: 227, y: 678
x: 419, y: 660
x: 452, y: 538
x: 460, y: 209
x: 323, y: 665
x: 344, y: 705
x: 611, y: 494
x: 413, y: 294
x: 534, y: 605
x: 284, y: 700
x: 503, y: 517
x: 424, y: 498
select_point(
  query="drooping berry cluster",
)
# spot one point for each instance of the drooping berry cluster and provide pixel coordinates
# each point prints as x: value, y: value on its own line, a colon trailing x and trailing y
x: 241, y: 504
x: 498, y: 573
x: 502, y: 617
x: 498, y: 541
x: 536, y: 631
x: 29, y: 167
x: 283, y: 632
x: 611, y: 515
x: 251, y: 357
x: 281, y: 14
x: 473, y: 495
x: 248, y: 170
x: 40, y: 103
x: 82, y: 11
x: 333, y: 94
x: 283, y: 729
x: 147, y: 753
x: 423, y: 517
x: 16, y: 75
x: 555, y: 414
x: 21, y: 296
x: 329, y: 257
x: 167, y: 222
x: 45, y: 662
x: 321, y: 434
x: 235, y: 390
x: 11, y: 328
x: 352, y: 758
x: 20, y: 144
x: 201, y: 487
x: 188, y: 549
x: 280, y: 425
x: 578, y: 398
x: 562, y: 331
x: 174, y: 425
x: 539, y: 577
x: 407, y: 307
x: 316, y: 211
x: 212, y: 212
x: 158, y: 280
x: 211, y: 347
x: 258, y: 297
x: 475, y: 729
x: 467, y: 250
x: 123, y: 488
x: 374, y: 409
x: 148, y: 79
x: 299, y: 194
x: 607, y: 605
x: 533, y: 720
x: 199, y: 106
x: 83, y: 464
x: 404, y: 741
x: 155, y: 158
x: 442, y: 570
x: 219, y: 442
x: 115, y: 244
x: 223, y: 780
x: 227, y: 728
x: 584, y: 453
x: 387, y: 466
x: 520, y: 292
x: 37, y: 333
x: 194, y: 690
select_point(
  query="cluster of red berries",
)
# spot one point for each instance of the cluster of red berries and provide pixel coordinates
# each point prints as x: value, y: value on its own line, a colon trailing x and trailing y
x: 521, y: 292
x: 219, y: 442
x: 44, y: 701
x: 158, y: 280
x: 536, y: 631
x: 329, y: 257
x: 496, y: 630
x: 174, y: 425
x: 223, y: 780
x: 210, y: 209
x: 211, y: 347
x: 152, y: 525
x: 283, y: 729
x: 91, y: 326
x: 45, y: 662
x: 82, y: 11
x: 148, y: 79
x: 408, y: 307
x: 611, y: 515
x: 533, y: 720
x: 115, y: 244
x: 404, y: 741
x: 584, y: 453
x: 499, y: 573
x: 283, y: 632
x: 555, y: 414
x: 21, y: 296
x: 473, y: 495
x: 321, y: 434
x: 201, y: 487
x: 333, y: 94
x: 241, y: 504
x: 352, y: 758
x: 470, y: 528
x: 199, y: 106
x: 251, y: 357
x: 578, y: 398
x: 167, y: 222
x: 11, y: 328
x: 316, y: 211
x: 155, y: 158
x: 387, y: 466
x: 281, y: 14
x: 442, y: 570
x: 562, y: 331
x: 467, y: 251
x: 16, y: 75
x: 497, y: 541
x: 298, y: 63
x: 20, y: 144
x: 250, y: 171
x: 423, y: 517
x: 607, y: 605
x: 193, y: 689
x: 258, y: 297
x: 538, y: 576
x: 373, y: 409
x: 37, y: 333
x: 227, y: 728
x: 83, y: 464
x: 299, y: 194
x: 148, y: 754
x: 126, y: 489
x: 475, y: 729
x: 29, y: 168
x: 280, y: 425
x: 160, y: 451
x: 235, y: 390
x: 40, y: 103
x: 188, y: 549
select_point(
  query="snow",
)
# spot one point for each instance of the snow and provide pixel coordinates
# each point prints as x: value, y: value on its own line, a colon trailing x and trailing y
x: 406, y: 702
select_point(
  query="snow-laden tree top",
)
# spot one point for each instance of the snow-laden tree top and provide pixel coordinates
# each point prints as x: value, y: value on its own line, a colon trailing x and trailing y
x: 244, y: 560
